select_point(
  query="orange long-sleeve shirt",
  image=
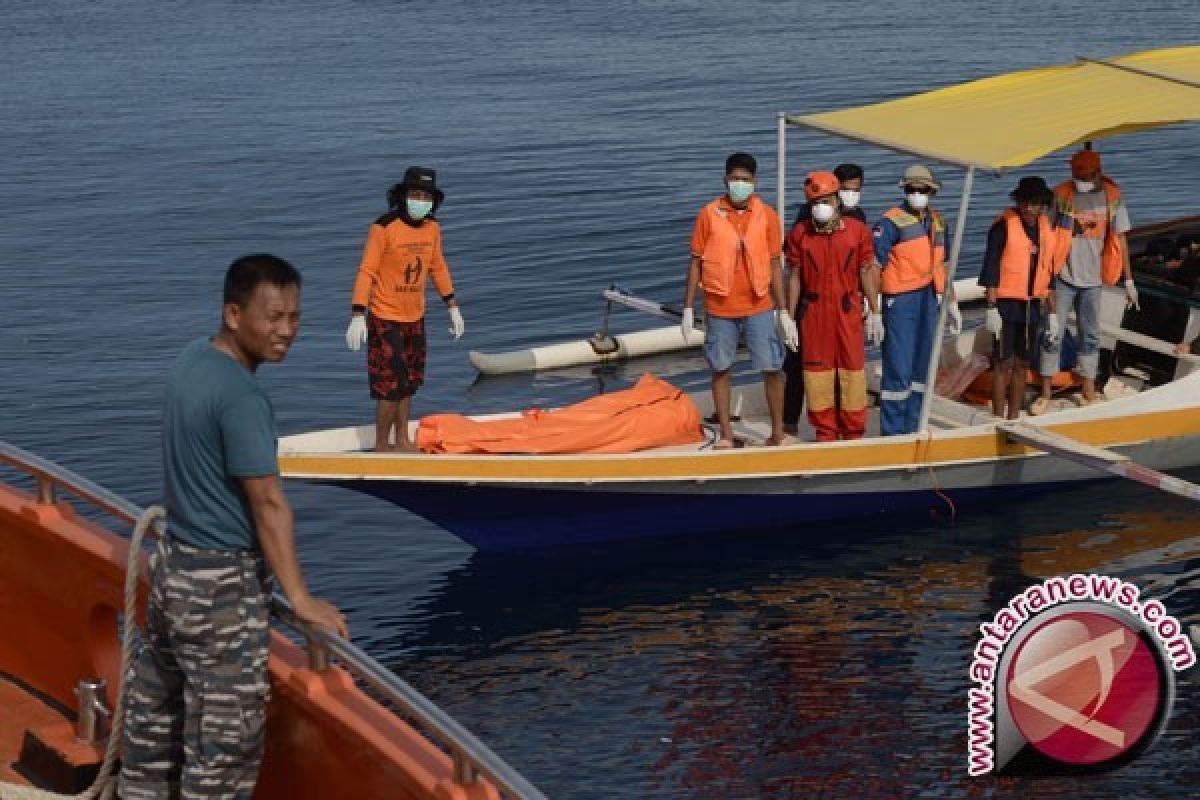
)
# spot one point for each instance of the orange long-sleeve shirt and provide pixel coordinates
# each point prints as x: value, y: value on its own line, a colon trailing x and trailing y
x: 395, y: 263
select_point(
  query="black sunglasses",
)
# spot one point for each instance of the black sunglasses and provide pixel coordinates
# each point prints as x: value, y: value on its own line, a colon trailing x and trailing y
x: 919, y: 190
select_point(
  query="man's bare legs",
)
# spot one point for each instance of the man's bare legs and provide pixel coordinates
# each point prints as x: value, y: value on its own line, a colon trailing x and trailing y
x: 1016, y: 389
x: 389, y: 415
x: 773, y: 386
x: 1001, y: 376
x: 720, y: 393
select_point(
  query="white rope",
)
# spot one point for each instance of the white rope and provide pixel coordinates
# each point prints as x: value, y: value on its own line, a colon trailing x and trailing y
x: 105, y: 784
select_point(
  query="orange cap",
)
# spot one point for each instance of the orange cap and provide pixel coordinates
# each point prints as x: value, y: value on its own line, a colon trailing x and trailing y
x: 819, y: 184
x: 1085, y: 162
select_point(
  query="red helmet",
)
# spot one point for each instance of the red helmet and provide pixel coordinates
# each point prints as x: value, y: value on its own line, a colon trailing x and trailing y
x: 819, y: 184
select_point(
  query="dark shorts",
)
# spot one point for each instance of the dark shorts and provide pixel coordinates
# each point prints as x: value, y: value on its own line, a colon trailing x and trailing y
x: 395, y: 358
x: 1021, y: 331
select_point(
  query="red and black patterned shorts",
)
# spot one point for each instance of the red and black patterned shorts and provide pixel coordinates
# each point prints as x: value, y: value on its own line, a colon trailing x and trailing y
x: 395, y: 358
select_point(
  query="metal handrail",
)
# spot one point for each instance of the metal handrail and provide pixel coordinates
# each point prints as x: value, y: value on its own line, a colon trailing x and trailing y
x: 471, y: 757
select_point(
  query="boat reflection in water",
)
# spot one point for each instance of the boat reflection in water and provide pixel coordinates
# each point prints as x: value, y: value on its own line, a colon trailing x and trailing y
x: 764, y: 666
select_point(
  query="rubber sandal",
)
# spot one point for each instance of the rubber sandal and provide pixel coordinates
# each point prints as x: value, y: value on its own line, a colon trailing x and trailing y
x: 1039, y: 406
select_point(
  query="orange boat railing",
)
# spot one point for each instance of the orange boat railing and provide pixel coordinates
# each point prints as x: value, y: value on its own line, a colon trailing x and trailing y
x: 470, y: 757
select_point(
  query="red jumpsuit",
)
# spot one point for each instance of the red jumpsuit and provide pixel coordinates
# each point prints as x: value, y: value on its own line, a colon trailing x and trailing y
x: 831, y: 324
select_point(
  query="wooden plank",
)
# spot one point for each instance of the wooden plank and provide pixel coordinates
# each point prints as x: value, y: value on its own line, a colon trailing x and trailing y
x: 1057, y: 444
x: 1097, y: 458
x: 1148, y: 343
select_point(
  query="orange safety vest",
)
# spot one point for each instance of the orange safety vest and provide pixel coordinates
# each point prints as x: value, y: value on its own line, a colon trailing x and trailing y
x: 1112, y: 259
x: 724, y: 244
x: 918, y: 257
x: 1014, y: 261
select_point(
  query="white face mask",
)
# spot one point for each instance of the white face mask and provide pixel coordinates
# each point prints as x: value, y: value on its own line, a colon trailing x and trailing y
x: 916, y: 200
x: 1083, y: 186
x: 822, y: 212
x: 849, y: 197
x: 740, y: 191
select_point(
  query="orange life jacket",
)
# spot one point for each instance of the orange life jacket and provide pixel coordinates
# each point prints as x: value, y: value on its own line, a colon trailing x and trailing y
x: 1112, y: 260
x: 721, y: 251
x: 1014, y: 261
x: 918, y: 257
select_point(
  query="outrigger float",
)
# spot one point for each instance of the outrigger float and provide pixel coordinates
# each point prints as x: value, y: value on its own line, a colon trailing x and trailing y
x: 605, y: 348
x: 1150, y: 421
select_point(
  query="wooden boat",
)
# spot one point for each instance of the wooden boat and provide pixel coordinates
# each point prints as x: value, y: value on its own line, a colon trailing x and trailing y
x: 501, y: 502
x: 961, y: 453
x: 60, y: 612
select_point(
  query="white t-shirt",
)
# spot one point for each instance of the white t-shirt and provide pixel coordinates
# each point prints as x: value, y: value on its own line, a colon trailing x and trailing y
x: 1087, y: 239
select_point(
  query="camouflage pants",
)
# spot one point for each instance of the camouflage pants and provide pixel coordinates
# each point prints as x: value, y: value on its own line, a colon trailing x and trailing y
x: 198, y: 689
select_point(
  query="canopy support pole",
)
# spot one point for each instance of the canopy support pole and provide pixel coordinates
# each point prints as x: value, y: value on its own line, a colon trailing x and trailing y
x: 781, y: 171
x: 960, y: 225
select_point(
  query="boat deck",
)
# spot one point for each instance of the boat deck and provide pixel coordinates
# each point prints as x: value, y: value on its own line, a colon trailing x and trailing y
x: 18, y: 705
x: 24, y: 711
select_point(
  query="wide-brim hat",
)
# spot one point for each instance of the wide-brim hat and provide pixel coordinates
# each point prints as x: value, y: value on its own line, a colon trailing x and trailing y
x: 1032, y: 187
x: 919, y: 175
x: 423, y: 178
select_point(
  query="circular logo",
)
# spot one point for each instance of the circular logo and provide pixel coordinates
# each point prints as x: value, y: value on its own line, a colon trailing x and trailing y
x: 1085, y: 688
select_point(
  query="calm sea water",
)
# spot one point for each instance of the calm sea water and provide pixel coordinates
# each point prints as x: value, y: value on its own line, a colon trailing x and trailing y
x: 144, y: 144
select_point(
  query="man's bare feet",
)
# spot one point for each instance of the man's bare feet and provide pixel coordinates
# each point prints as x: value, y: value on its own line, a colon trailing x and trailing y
x: 405, y: 447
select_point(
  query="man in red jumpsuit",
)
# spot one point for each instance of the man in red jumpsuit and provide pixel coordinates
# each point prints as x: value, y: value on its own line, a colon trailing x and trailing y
x: 832, y: 262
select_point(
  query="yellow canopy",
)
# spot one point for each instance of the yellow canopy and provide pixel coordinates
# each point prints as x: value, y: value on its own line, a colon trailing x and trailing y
x: 1010, y: 120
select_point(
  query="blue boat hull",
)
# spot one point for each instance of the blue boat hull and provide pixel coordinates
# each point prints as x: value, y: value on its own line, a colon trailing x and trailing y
x: 510, y: 518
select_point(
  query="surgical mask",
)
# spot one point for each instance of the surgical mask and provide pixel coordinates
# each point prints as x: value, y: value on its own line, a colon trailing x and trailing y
x: 740, y: 191
x: 916, y: 200
x: 418, y: 209
x: 1084, y: 186
x: 822, y: 212
x: 849, y: 197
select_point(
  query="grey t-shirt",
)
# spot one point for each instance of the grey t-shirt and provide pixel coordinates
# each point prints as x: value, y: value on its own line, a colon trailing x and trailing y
x: 218, y: 426
x: 1087, y: 238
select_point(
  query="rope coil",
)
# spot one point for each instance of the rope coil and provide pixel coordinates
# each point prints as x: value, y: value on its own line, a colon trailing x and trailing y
x: 105, y: 784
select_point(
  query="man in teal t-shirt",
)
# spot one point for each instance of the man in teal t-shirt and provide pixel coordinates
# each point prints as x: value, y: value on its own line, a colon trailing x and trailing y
x: 197, y: 693
x: 218, y: 427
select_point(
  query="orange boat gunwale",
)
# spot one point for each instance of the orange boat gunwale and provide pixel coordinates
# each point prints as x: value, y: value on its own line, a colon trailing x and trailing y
x: 63, y: 577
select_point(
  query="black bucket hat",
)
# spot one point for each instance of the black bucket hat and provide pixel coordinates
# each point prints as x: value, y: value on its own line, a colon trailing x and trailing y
x: 422, y: 178
x: 1032, y: 187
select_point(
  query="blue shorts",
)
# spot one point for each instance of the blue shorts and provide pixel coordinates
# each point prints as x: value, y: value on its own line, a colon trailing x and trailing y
x: 721, y: 336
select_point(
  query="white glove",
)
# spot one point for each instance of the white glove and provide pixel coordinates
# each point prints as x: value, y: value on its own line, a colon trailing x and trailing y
x: 356, y: 334
x: 874, y: 326
x: 787, y: 329
x: 1051, y: 328
x: 687, y: 324
x: 955, y: 317
x: 457, y: 326
x: 992, y: 322
x: 1131, y: 294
